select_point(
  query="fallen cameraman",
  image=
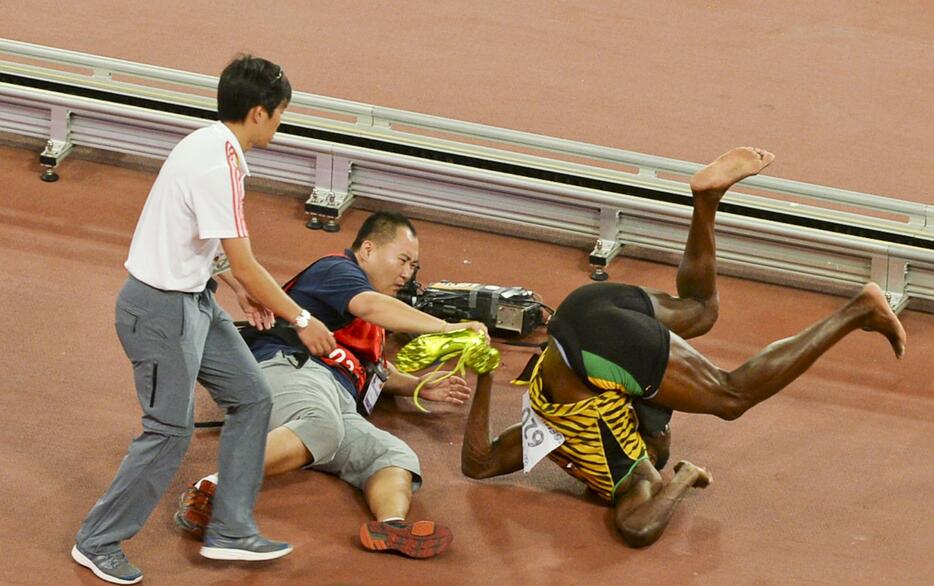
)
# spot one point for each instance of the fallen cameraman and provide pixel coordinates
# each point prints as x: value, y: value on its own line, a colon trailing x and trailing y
x: 320, y: 403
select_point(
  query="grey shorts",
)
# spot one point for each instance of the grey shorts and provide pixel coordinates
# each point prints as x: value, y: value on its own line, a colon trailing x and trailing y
x: 314, y: 405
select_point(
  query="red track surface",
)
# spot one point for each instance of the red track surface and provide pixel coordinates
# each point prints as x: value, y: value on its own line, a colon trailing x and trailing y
x: 827, y: 483
x: 839, y: 90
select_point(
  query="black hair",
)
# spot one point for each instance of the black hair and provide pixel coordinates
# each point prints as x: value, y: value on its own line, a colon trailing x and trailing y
x: 380, y: 228
x: 248, y: 82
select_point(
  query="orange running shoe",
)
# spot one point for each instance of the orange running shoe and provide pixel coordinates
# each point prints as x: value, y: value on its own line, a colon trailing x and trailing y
x: 195, y: 507
x: 422, y: 539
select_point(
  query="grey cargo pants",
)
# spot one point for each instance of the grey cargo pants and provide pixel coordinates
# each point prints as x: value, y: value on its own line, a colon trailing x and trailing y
x: 174, y: 338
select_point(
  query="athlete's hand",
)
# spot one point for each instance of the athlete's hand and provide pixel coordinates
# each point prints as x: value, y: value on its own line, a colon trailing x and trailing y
x: 452, y: 390
x: 316, y: 337
x: 259, y: 316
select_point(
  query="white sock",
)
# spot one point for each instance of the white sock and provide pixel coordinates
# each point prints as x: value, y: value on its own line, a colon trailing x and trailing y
x: 212, y: 478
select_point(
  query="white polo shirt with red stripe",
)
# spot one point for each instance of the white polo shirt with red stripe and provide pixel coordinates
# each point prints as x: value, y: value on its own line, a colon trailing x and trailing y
x: 197, y: 200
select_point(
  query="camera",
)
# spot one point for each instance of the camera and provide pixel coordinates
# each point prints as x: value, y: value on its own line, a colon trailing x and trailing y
x: 506, y: 311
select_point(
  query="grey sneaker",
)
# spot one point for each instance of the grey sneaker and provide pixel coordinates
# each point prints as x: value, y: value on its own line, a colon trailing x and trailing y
x: 253, y: 548
x: 112, y: 567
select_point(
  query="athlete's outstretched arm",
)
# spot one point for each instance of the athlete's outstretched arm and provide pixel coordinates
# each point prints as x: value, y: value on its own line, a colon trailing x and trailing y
x: 480, y: 457
x: 646, y: 503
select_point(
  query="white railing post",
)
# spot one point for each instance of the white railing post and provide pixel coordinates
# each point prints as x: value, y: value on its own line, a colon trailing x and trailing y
x: 331, y: 194
x: 59, y: 144
x: 607, y: 246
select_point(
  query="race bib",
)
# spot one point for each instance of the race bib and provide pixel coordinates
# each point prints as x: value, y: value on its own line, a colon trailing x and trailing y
x: 538, y: 439
x: 373, y: 390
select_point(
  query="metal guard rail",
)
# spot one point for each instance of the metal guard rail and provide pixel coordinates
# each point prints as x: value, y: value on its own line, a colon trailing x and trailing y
x: 773, y: 229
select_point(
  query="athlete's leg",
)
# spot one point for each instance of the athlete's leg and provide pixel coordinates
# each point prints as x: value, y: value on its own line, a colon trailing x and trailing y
x: 480, y: 457
x: 646, y: 504
x: 691, y: 383
x: 695, y: 309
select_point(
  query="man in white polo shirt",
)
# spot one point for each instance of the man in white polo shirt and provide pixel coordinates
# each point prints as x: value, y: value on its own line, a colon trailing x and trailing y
x: 174, y: 333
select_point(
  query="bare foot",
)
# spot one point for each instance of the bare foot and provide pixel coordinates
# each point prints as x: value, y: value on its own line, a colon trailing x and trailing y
x: 703, y: 477
x: 880, y: 317
x: 734, y: 165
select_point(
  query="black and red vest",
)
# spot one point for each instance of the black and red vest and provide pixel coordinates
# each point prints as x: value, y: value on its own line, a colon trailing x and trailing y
x: 359, y: 343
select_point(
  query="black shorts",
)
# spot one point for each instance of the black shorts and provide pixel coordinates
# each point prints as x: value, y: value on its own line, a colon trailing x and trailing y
x: 608, y: 335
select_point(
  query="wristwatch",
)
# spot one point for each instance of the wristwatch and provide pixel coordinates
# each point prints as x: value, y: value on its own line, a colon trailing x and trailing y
x: 303, y: 319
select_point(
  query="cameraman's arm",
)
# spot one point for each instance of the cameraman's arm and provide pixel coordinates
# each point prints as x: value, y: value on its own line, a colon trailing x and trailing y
x: 394, y: 315
x: 399, y: 383
x: 452, y: 389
